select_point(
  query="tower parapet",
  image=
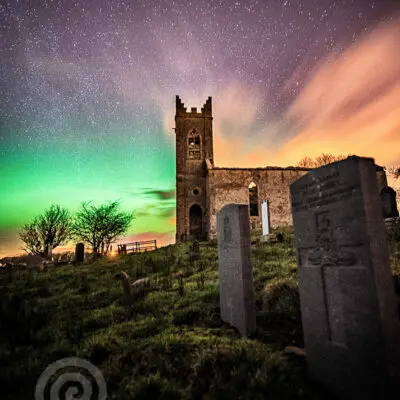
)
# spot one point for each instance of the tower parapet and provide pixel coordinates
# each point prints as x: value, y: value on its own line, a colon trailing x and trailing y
x: 180, y: 107
x: 181, y: 110
x: 207, y: 110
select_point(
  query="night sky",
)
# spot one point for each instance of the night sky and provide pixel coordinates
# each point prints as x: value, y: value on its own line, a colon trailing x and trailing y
x: 88, y: 89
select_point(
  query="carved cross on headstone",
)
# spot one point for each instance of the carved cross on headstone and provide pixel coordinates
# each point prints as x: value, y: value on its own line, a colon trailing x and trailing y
x: 328, y: 257
x: 227, y: 230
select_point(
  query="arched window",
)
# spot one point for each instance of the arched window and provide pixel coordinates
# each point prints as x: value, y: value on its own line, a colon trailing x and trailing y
x: 253, y: 200
x: 194, y: 151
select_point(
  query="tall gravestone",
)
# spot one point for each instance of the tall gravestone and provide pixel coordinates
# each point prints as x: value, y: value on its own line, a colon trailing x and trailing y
x: 237, y: 301
x: 79, y: 252
x: 265, y: 217
x: 350, y: 323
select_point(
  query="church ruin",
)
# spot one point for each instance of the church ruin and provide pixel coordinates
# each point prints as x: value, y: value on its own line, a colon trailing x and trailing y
x: 202, y: 189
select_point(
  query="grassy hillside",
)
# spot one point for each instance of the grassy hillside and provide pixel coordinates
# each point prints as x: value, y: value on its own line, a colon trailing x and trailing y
x: 168, y: 343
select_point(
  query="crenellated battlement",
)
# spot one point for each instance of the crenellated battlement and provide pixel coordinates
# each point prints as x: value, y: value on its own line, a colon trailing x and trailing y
x: 207, y: 109
x: 181, y: 110
x: 180, y: 107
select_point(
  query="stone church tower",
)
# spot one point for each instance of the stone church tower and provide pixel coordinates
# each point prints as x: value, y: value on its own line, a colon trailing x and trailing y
x: 194, y: 145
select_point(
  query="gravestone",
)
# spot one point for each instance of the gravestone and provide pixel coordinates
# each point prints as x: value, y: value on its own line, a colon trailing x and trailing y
x: 265, y: 217
x: 194, y: 251
x: 79, y: 252
x: 126, y: 284
x: 389, y: 204
x: 279, y: 237
x: 237, y: 299
x: 350, y: 324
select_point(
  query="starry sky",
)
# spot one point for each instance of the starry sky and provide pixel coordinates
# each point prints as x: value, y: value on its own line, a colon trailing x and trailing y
x: 88, y: 89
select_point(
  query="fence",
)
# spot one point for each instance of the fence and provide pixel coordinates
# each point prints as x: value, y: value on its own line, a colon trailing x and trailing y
x: 137, y: 247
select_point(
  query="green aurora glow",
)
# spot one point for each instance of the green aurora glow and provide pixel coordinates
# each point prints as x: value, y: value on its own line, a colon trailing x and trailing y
x: 138, y: 169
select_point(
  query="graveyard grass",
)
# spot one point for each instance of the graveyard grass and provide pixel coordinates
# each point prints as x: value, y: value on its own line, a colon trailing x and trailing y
x: 169, y: 342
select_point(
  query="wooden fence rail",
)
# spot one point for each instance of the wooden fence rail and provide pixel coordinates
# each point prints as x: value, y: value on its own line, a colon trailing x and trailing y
x: 137, y: 247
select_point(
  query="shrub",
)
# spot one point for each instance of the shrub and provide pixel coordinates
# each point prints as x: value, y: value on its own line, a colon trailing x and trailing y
x: 282, y: 296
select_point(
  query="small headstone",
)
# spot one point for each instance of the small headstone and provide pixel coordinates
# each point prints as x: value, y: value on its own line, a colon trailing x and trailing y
x: 389, y: 204
x: 236, y: 290
x: 126, y: 285
x: 348, y: 306
x: 194, y: 251
x: 79, y: 252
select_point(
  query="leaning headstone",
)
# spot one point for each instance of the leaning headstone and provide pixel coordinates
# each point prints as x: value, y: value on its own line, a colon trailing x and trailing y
x: 79, y: 252
x: 389, y: 204
x: 350, y: 324
x: 236, y: 290
x: 126, y: 286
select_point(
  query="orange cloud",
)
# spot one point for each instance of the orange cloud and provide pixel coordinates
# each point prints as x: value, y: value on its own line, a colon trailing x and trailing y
x: 351, y: 103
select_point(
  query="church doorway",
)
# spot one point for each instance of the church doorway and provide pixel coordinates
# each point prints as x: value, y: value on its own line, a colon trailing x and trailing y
x: 195, y: 220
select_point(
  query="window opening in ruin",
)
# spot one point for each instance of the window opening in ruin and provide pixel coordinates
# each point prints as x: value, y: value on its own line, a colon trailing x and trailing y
x: 194, y: 151
x: 196, y: 191
x: 253, y: 199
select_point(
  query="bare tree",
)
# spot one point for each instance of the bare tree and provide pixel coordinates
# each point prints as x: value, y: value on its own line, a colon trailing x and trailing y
x: 306, y: 162
x: 323, y: 159
x: 47, y: 231
x: 394, y: 171
x: 100, y: 226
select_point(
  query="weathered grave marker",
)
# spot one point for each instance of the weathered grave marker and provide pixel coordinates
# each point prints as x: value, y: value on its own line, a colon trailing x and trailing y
x: 389, y: 204
x: 126, y: 285
x: 79, y: 252
x: 194, y: 251
x: 350, y: 324
x: 237, y: 299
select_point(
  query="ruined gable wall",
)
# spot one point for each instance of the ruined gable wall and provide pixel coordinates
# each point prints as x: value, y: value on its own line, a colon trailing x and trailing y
x: 231, y: 185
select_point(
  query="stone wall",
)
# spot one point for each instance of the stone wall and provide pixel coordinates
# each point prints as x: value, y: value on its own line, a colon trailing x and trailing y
x: 231, y: 185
